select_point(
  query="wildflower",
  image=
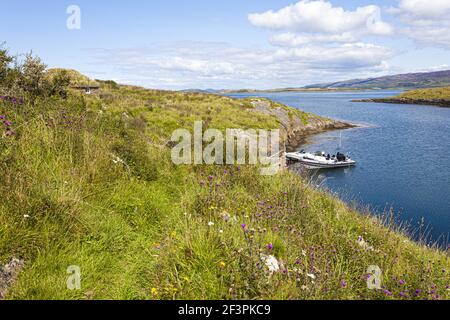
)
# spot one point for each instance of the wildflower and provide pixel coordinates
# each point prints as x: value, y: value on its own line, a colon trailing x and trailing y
x: 297, y: 261
x: 154, y: 292
x: 2, y: 117
x: 271, y: 263
x: 26, y: 216
x: 310, y: 275
x: 220, y: 231
x: 403, y: 294
x: 210, y: 223
x: 343, y: 284
x: 7, y: 123
x: 418, y: 292
x: 270, y: 246
x: 402, y: 282
x: 222, y: 264
x: 244, y: 226
x: 362, y: 243
x: 117, y: 160
x: 387, y: 292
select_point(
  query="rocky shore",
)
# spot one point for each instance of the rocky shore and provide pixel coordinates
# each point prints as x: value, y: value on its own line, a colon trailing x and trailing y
x: 431, y: 102
x: 298, y: 127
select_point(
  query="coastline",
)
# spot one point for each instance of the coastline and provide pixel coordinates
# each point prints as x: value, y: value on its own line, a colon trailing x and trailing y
x: 297, y: 129
x: 429, y: 102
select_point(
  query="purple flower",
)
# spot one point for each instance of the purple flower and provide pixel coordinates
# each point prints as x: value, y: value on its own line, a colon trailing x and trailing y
x: 270, y: 246
x: 343, y: 284
x: 2, y: 117
x: 244, y: 226
x: 387, y: 292
x: 418, y: 292
x: 7, y: 123
x: 402, y: 282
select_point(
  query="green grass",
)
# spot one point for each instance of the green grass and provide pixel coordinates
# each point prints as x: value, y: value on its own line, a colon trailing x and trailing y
x: 427, y: 94
x: 147, y: 229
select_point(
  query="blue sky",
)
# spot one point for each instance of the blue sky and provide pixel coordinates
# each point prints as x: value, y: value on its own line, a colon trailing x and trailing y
x: 175, y: 44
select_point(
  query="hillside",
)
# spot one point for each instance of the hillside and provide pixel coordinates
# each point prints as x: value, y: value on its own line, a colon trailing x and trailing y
x: 401, y: 81
x: 75, y: 77
x: 88, y: 181
x: 435, y: 97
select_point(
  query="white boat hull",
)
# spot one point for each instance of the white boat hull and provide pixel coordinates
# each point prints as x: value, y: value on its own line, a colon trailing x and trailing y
x: 319, y: 162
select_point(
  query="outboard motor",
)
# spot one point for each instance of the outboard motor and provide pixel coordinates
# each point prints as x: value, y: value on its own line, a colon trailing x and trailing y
x: 341, y: 157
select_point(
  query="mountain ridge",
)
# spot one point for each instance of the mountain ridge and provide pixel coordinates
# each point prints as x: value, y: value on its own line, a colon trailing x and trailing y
x: 401, y: 81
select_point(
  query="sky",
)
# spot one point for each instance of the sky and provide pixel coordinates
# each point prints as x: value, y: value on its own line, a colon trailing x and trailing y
x: 233, y: 44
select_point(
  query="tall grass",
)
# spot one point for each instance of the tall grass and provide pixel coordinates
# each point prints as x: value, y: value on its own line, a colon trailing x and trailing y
x: 88, y: 181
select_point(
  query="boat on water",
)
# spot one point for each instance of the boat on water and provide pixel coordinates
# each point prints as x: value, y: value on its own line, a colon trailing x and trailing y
x: 320, y: 160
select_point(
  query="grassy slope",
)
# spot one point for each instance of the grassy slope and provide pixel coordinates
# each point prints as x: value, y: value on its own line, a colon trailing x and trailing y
x: 427, y: 94
x: 142, y: 230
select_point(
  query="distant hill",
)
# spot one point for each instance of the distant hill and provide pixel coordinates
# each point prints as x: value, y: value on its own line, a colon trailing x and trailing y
x: 401, y: 81
x: 199, y: 91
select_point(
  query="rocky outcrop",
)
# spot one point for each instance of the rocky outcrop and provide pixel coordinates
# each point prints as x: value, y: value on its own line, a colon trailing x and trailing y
x: 298, y: 125
x: 8, y: 275
x: 429, y: 102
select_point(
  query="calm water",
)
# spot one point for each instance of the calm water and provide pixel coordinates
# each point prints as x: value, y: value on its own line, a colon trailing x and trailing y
x: 403, y: 155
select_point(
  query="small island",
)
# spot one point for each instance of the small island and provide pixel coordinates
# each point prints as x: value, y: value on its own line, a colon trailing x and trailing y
x: 439, y: 97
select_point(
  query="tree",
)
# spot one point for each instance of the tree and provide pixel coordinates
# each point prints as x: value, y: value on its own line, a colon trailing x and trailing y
x: 32, y: 76
x: 59, y: 84
x: 5, y: 66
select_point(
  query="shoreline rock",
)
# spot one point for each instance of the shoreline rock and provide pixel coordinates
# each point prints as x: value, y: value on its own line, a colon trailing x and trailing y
x: 296, y: 131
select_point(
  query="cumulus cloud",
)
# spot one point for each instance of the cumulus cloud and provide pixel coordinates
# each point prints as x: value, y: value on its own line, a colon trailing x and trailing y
x: 320, y: 35
x: 423, y: 8
x: 425, y: 21
x: 321, y: 16
x: 313, y: 41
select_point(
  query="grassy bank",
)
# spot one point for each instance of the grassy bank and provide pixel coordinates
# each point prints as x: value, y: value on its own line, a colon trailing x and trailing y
x: 88, y: 181
x: 427, y: 94
x: 435, y: 97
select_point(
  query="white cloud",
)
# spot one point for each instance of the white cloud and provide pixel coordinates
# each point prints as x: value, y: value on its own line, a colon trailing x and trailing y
x: 425, y: 21
x: 321, y: 17
x: 290, y: 39
x: 313, y: 41
x: 218, y: 65
x: 424, y: 8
